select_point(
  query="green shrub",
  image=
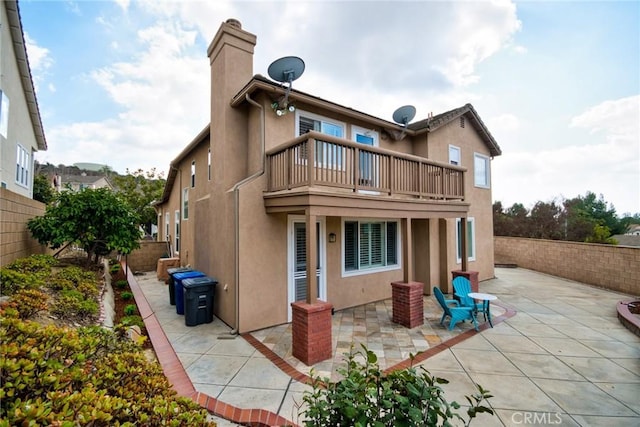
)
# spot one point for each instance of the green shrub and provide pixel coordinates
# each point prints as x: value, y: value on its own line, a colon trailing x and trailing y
x: 14, y: 280
x: 366, y: 396
x: 115, y: 268
x: 133, y: 320
x: 126, y: 295
x: 29, y: 302
x: 36, y: 264
x: 130, y: 309
x: 72, y: 305
x: 75, y: 278
x: 89, y: 376
x: 121, y: 284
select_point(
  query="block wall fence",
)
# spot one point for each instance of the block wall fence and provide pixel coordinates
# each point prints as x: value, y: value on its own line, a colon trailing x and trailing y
x: 607, y: 266
x: 146, y: 257
x: 15, y: 239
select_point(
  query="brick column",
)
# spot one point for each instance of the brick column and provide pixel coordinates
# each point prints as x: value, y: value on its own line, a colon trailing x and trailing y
x: 311, y: 331
x: 408, y: 307
x: 471, y: 275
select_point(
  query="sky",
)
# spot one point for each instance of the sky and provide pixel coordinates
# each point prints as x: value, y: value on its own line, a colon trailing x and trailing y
x: 126, y: 83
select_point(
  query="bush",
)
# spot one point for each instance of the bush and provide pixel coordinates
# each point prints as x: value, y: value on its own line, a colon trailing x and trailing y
x: 72, y: 304
x: 126, y: 295
x: 366, y: 396
x: 89, y: 376
x: 115, y: 268
x: 130, y: 309
x: 133, y: 320
x: 121, y: 284
x: 29, y: 302
x: 13, y: 281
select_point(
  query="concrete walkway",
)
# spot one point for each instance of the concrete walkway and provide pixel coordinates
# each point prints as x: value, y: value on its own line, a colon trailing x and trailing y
x: 563, y: 359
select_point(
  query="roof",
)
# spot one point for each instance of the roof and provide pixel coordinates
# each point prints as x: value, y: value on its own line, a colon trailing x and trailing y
x: 173, y: 170
x: 439, y: 120
x: 431, y: 124
x: 19, y: 47
x: 627, y: 240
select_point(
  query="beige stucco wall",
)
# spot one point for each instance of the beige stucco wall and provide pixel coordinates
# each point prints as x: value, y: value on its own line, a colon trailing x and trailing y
x: 612, y: 267
x: 20, y: 129
x: 15, y: 239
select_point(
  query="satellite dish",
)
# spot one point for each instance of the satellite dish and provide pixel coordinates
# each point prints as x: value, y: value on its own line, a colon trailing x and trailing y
x: 285, y: 70
x: 404, y: 115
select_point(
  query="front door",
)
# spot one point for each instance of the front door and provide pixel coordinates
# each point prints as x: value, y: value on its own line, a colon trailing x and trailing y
x: 298, y: 261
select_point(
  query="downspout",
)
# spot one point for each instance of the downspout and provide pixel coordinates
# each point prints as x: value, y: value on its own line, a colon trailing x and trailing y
x: 236, y: 213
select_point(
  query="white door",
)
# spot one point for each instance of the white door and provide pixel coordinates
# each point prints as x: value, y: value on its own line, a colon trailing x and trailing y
x: 368, y: 163
x: 297, y: 264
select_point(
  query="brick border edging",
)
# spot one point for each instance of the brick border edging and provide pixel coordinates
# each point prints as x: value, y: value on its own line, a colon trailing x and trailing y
x: 178, y: 378
x: 285, y: 367
x: 627, y: 318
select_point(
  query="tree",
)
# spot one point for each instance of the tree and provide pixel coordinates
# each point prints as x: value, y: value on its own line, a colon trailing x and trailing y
x: 545, y: 221
x: 42, y: 189
x: 96, y: 219
x: 139, y: 189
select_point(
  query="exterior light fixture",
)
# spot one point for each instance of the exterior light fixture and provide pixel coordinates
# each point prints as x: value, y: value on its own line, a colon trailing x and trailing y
x: 332, y: 237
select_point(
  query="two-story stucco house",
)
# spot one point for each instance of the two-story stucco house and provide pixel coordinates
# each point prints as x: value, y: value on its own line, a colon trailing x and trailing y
x: 261, y: 201
x: 21, y: 132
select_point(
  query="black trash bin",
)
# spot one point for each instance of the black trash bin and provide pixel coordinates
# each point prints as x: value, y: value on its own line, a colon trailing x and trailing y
x: 198, y: 300
x: 172, y: 286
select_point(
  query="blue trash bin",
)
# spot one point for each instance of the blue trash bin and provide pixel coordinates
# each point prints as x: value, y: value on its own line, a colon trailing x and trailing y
x: 179, y: 292
x: 172, y: 286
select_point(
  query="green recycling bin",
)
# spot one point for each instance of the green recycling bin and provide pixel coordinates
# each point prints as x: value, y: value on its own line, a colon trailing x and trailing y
x: 198, y: 300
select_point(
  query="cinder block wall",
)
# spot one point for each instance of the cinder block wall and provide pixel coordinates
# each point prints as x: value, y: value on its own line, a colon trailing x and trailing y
x: 146, y: 257
x: 15, y: 239
x: 608, y: 266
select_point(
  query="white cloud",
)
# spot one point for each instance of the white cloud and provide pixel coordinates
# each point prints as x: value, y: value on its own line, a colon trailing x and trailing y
x: 40, y: 60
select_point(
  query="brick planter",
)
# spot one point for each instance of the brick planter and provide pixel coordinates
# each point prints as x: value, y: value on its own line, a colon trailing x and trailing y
x: 311, y: 332
x: 408, y: 307
x: 471, y: 275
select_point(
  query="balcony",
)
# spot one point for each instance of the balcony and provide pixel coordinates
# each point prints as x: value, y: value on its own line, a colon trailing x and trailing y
x: 315, y: 159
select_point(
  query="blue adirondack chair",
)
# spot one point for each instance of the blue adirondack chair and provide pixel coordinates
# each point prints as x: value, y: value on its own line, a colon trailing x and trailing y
x: 461, y: 290
x: 453, y: 310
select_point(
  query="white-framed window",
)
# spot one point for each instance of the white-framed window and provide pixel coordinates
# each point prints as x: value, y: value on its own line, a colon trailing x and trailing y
x: 367, y: 161
x: 471, y: 240
x: 166, y: 227
x: 369, y: 246
x: 23, y: 166
x: 176, y: 237
x: 4, y: 114
x: 481, y: 171
x: 209, y: 164
x: 454, y: 155
x: 185, y: 203
x: 193, y: 173
x: 327, y: 154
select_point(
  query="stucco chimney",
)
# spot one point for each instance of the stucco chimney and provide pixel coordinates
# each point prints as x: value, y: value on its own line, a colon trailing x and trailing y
x: 231, y: 59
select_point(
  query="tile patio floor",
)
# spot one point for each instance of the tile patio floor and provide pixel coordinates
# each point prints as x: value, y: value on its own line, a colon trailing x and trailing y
x: 563, y: 359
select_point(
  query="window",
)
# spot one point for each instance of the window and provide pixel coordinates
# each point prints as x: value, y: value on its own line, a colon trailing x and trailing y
x: 454, y: 155
x: 166, y: 227
x: 185, y: 203
x: 368, y: 163
x: 193, y: 173
x: 370, y: 245
x: 471, y: 240
x: 4, y: 114
x: 176, y: 238
x: 327, y: 154
x: 23, y: 166
x: 481, y: 170
x: 209, y: 164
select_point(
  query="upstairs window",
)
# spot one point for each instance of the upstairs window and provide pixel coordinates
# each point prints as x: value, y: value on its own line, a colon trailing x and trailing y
x: 23, y: 166
x: 185, y: 203
x: 454, y: 155
x: 481, y: 170
x: 327, y: 154
x: 209, y: 164
x: 4, y: 114
x: 193, y: 173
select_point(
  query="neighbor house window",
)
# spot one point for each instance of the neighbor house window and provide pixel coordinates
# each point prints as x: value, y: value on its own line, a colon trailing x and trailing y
x: 454, y: 155
x: 23, y: 166
x: 481, y: 170
x: 471, y: 240
x: 370, y: 245
x: 209, y: 164
x: 193, y: 173
x: 4, y: 114
x: 176, y: 237
x: 185, y: 203
x: 327, y: 153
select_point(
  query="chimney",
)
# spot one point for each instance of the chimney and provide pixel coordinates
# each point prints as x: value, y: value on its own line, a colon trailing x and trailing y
x: 231, y: 59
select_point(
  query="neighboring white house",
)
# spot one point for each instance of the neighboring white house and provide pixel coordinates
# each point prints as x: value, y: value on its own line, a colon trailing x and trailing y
x: 21, y: 132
